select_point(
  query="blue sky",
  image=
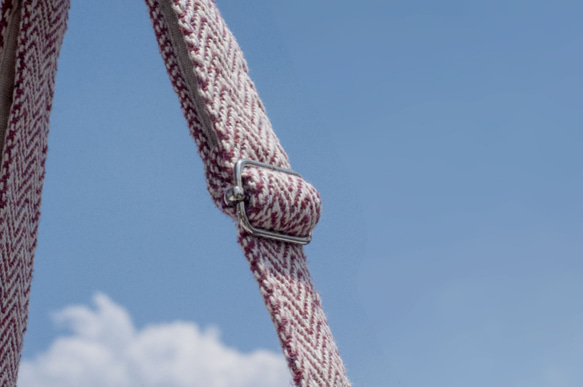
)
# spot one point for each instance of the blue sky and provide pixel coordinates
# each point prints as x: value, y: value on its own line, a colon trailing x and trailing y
x: 445, y: 139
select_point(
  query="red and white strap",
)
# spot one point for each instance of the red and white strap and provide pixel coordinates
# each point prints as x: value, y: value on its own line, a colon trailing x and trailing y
x: 228, y: 122
x: 31, y: 32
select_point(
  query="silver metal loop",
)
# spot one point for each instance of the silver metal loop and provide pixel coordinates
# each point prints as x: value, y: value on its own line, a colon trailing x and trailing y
x: 236, y: 195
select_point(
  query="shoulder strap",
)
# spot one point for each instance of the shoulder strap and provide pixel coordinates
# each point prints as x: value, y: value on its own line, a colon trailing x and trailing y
x: 248, y: 173
x: 31, y: 33
x: 228, y: 122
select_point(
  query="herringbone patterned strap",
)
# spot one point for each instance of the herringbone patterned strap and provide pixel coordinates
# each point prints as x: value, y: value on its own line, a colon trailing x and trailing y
x: 228, y: 122
x: 31, y: 35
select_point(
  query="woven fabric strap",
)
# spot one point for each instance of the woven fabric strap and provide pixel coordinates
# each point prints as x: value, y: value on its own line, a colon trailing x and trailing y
x: 31, y: 32
x: 228, y: 122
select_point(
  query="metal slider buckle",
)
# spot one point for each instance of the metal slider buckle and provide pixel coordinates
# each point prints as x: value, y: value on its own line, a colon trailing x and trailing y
x: 236, y: 195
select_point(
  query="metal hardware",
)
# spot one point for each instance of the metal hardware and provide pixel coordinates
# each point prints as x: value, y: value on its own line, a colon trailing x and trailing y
x: 236, y: 195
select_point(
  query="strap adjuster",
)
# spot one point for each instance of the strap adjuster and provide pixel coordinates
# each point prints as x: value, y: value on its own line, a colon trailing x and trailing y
x: 236, y: 195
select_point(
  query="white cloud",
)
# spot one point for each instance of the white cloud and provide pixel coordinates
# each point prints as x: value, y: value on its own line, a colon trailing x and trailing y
x: 105, y: 349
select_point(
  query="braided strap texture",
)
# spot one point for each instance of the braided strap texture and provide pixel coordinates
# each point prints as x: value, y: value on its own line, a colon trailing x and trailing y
x: 38, y: 27
x: 280, y: 202
x: 228, y: 122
